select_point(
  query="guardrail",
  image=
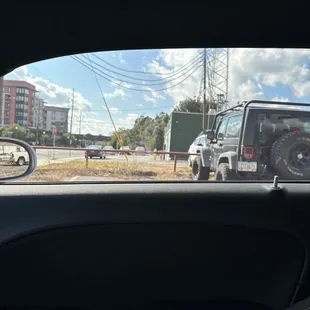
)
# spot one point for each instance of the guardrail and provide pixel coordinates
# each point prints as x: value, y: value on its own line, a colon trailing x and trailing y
x: 174, y: 154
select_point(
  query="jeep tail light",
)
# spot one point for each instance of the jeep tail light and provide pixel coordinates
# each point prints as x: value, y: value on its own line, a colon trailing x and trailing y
x: 295, y: 129
x: 248, y: 153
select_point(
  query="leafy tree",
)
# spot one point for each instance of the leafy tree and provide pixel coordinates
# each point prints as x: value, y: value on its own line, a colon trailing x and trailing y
x: 64, y: 140
x: 190, y: 105
x: 147, y: 131
x: 15, y: 131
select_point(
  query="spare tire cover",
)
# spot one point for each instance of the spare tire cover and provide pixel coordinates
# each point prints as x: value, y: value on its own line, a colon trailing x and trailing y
x: 290, y: 156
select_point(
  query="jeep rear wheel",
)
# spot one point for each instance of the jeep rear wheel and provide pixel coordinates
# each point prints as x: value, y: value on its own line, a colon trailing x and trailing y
x: 199, y: 173
x: 223, y: 173
x: 290, y: 156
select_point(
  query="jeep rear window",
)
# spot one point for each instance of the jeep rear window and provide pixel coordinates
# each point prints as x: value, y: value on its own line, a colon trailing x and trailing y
x: 270, y: 125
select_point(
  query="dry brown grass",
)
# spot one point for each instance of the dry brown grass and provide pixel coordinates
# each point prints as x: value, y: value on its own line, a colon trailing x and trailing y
x: 110, y: 171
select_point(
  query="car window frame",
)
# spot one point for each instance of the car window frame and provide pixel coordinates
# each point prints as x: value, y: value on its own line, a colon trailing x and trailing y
x: 228, y: 120
x: 224, y: 119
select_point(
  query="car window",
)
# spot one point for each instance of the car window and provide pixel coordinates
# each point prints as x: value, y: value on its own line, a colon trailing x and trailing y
x: 233, y: 126
x: 201, y: 140
x: 154, y: 98
x: 222, y: 127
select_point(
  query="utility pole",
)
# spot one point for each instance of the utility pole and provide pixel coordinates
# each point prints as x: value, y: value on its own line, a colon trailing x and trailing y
x: 72, y: 107
x: 204, y: 90
x: 80, y: 123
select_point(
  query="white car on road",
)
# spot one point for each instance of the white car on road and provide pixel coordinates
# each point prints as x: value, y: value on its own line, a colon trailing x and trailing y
x: 19, y: 158
x: 140, y: 149
x: 109, y: 147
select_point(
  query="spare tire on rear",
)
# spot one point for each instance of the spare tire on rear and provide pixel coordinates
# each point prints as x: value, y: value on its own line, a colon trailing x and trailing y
x: 290, y: 156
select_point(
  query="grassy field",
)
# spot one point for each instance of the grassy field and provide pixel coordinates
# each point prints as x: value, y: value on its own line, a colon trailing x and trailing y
x: 109, y: 170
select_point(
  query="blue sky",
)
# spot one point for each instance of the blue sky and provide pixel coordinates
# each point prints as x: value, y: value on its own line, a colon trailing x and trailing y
x: 253, y: 74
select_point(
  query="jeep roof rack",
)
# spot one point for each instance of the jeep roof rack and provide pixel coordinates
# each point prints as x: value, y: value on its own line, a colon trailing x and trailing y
x: 235, y: 108
x: 248, y: 103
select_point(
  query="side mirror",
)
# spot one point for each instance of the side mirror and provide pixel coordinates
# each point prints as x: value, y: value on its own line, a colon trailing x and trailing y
x: 220, y: 136
x: 210, y: 135
x: 17, y: 159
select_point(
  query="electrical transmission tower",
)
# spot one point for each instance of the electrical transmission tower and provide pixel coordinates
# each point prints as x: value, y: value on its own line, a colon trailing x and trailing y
x: 217, y: 69
x: 213, y: 92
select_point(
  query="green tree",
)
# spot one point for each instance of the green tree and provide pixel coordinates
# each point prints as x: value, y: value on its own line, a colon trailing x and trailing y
x: 147, y: 131
x: 15, y: 131
x: 64, y: 140
x: 190, y: 105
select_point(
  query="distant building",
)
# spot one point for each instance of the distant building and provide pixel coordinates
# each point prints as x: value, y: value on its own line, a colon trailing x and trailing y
x: 21, y: 100
x: 181, y: 131
x: 38, y: 113
x: 55, y: 116
x: 5, y: 109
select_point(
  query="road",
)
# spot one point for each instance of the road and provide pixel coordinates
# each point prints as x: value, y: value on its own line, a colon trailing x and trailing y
x: 44, y: 158
x: 11, y: 170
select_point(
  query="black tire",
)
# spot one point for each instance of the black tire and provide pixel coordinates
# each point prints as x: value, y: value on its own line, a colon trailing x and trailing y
x: 91, y: 157
x: 272, y: 157
x: 200, y: 173
x: 100, y: 157
x: 285, y: 156
x: 21, y: 161
x: 104, y: 157
x: 223, y: 173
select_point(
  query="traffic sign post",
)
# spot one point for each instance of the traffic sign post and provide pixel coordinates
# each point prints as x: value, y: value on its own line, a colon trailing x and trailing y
x: 54, y: 140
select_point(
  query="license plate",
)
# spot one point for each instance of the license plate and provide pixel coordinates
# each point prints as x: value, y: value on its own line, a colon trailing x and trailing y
x: 247, y: 166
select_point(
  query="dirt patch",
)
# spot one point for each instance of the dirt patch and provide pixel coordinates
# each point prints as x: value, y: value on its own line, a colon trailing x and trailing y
x: 116, y: 170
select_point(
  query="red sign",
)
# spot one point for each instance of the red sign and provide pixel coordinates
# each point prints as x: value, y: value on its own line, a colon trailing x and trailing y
x: 54, y: 131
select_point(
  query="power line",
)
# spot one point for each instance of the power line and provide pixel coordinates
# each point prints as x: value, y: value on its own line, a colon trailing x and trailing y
x: 142, y: 72
x: 172, y: 74
x: 140, y: 84
x: 106, y: 104
x: 135, y: 89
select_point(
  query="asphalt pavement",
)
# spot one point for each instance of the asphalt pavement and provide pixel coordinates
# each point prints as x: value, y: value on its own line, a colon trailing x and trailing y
x: 45, y: 157
x: 11, y: 170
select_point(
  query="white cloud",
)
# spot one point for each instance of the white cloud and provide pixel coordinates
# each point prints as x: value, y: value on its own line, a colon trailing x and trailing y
x: 126, y: 122
x: 280, y: 99
x: 114, y: 110
x: 166, y: 65
x: 148, y: 98
x: 118, y: 92
x: 269, y: 67
x: 121, y: 58
x: 250, y: 70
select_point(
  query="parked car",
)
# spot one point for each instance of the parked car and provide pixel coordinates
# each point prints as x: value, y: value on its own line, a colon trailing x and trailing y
x: 196, y: 146
x: 19, y: 158
x: 124, y: 148
x: 95, y: 151
x: 257, y: 140
x: 140, y: 149
x: 109, y: 147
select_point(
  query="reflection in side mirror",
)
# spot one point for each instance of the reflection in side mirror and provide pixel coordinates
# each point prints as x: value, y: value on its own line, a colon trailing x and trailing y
x: 210, y: 135
x: 17, y: 159
x: 220, y: 136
